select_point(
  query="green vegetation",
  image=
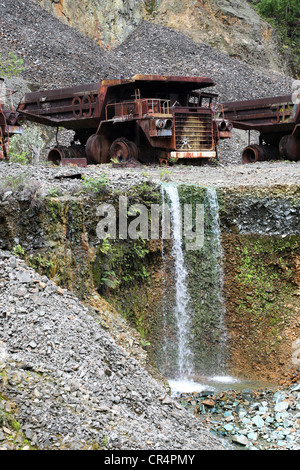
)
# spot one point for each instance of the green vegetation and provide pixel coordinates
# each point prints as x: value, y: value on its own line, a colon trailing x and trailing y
x: 266, y: 278
x: 21, y: 158
x: 12, y: 183
x: 13, y: 437
x: 151, y: 5
x: 284, y: 16
x: 41, y: 264
x: 53, y: 192
x: 18, y: 250
x: 26, y: 148
x: 10, y: 67
x: 95, y: 185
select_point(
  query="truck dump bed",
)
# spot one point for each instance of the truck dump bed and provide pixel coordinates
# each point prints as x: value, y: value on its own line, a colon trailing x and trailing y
x: 144, y: 117
x: 277, y: 119
x: 276, y: 114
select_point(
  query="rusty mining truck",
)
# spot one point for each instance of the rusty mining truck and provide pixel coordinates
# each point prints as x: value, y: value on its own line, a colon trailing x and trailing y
x: 144, y: 119
x: 10, y: 121
x: 277, y: 120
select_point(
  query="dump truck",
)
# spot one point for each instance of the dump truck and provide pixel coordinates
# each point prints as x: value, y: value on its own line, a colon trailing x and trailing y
x: 277, y: 119
x: 143, y: 119
x: 10, y: 121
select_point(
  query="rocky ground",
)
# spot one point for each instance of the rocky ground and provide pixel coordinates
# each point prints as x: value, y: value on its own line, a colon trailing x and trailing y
x: 44, y: 179
x: 253, y: 419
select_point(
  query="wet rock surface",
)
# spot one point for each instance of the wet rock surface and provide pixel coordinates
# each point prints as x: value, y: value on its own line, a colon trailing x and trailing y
x: 251, y: 419
x: 62, y: 368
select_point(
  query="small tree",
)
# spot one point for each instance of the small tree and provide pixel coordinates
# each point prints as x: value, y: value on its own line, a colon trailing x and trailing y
x: 27, y: 148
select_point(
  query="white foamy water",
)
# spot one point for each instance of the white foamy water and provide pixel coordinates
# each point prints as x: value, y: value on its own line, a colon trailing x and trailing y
x: 186, y: 386
x: 209, y: 383
x: 225, y: 379
x: 219, y: 274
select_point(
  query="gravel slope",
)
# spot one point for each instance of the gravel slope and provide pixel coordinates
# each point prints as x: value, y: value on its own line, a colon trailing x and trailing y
x: 56, y: 55
x: 72, y: 385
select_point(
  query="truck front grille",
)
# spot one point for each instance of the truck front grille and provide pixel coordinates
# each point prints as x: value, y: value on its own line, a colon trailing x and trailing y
x: 193, y: 131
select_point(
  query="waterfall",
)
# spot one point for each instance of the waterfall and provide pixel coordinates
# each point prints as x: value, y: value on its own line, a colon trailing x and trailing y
x: 181, y: 309
x: 164, y: 322
x: 193, y: 335
x: 218, y: 274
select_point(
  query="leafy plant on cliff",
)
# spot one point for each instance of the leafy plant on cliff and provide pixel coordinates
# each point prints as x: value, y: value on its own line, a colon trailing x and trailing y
x: 95, y: 185
x: 18, y: 250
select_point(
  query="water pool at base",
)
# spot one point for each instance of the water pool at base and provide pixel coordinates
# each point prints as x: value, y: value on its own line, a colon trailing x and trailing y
x: 216, y: 383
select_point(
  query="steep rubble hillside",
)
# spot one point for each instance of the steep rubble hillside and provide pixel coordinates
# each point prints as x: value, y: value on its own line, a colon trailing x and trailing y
x: 71, y: 386
x: 231, y: 26
x: 108, y: 22
x: 57, y: 55
x: 54, y: 54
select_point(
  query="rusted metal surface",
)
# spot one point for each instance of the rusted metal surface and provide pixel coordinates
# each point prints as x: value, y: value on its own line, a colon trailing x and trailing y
x: 277, y: 119
x: 82, y: 162
x: 97, y: 149
x: 10, y: 121
x: 159, y: 116
x: 259, y: 153
x: 61, y: 153
x: 289, y: 147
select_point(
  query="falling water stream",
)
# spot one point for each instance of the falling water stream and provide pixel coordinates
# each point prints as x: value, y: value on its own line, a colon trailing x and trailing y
x: 181, y: 309
x: 183, y: 379
x: 218, y: 275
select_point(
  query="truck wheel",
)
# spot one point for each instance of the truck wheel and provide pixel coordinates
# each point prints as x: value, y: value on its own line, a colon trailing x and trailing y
x: 97, y: 149
x: 289, y: 147
x: 122, y: 150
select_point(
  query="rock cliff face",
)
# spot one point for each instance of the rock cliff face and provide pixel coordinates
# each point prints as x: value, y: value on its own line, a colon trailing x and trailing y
x: 107, y: 22
x: 231, y: 26
x: 52, y: 222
